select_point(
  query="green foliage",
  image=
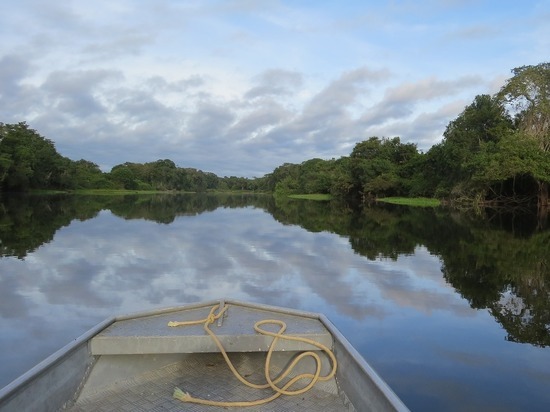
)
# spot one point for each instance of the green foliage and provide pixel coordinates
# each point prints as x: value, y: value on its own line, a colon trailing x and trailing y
x: 124, y: 176
x: 342, y: 181
x: 286, y: 187
x: 313, y: 196
x: 484, y: 152
x: 527, y: 95
x: 411, y: 201
x: 381, y: 167
x: 496, y: 143
x: 287, y: 171
x: 481, y: 123
x: 315, y: 176
x: 512, y: 156
x: 27, y: 160
x: 164, y: 175
x: 84, y: 174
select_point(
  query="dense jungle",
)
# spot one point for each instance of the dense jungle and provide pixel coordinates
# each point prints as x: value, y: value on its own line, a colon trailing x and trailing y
x: 496, y: 152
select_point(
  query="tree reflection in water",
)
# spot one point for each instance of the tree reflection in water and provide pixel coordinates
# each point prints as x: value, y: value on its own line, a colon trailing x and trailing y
x: 498, y: 262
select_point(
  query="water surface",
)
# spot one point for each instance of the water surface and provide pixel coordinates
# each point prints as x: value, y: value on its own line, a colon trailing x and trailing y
x: 452, y: 311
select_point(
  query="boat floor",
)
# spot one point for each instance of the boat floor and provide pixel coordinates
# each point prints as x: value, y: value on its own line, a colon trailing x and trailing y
x: 207, y: 376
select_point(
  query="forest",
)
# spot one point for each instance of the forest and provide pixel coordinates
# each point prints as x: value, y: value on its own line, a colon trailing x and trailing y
x: 497, y: 152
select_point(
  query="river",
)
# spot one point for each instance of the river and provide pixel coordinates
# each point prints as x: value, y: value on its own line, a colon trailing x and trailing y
x: 452, y: 310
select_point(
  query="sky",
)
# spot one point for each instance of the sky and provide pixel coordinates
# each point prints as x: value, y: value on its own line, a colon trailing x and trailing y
x: 240, y: 87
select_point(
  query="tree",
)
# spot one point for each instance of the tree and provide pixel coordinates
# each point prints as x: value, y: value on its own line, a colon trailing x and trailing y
x: 86, y: 175
x: 280, y: 173
x: 286, y: 186
x: 123, y: 175
x: 507, y: 168
x: 449, y: 166
x: 27, y: 160
x: 483, y: 121
x: 315, y: 176
x: 161, y: 174
x: 379, y: 167
x: 527, y: 96
x: 342, y: 181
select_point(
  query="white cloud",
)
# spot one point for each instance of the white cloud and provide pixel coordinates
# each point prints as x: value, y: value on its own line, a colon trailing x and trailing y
x: 235, y: 88
x: 275, y: 82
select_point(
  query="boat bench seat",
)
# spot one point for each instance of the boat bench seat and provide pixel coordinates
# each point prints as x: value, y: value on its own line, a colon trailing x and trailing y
x: 152, y: 335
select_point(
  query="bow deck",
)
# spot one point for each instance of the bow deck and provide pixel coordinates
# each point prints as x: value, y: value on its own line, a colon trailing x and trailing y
x: 150, y: 335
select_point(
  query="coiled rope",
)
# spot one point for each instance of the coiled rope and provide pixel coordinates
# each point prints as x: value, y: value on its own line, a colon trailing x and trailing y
x: 270, y: 383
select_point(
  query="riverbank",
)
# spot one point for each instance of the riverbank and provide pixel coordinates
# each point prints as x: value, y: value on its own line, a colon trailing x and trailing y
x: 412, y: 201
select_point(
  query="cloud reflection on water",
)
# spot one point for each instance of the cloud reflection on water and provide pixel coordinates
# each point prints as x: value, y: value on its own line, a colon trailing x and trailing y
x: 104, y: 266
x: 413, y: 326
x: 110, y: 263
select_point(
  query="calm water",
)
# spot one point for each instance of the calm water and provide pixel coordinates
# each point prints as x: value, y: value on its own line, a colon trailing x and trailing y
x: 452, y: 311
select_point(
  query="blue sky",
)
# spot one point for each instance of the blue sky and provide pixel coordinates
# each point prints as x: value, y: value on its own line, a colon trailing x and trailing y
x: 241, y: 87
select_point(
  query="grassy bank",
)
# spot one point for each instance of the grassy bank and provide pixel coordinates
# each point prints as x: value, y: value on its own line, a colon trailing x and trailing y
x: 315, y: 196
x: 411, y: 201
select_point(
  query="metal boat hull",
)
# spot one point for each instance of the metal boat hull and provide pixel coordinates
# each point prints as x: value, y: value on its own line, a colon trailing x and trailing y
x: 134, y: 362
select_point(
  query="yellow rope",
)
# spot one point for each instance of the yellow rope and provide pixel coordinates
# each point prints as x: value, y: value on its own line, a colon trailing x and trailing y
x: 206, y: 321
x: 278, y: 391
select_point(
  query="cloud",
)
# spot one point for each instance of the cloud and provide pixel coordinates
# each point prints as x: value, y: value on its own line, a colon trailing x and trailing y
x: 333, y: 101
x: 425, y: 129
x: 255, y: 124
x: 128, y: 42
x: 116, y: 118
x: 328, y: 116
x: 430, y: 88
x: 74, y: 93
x: 55, y: 16
x: 401, y: 101
x: 210, y: 122
x: 16, y: 97
x: 13, y: 69
x: 475, y: 32
x: 240, y: 89
x: 275, y: 82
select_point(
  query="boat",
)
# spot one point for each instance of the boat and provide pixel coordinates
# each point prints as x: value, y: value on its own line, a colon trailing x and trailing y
x: 207, y: 356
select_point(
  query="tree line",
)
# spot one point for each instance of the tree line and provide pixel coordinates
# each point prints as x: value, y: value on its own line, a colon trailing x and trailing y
x: 496, y: 151
x: 29, y: 161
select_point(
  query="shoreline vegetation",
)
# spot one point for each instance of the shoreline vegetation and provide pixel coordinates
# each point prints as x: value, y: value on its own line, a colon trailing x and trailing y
x: 99, y: 192
x: 320, y: 197
x: 496, y: 152
x: 412, y: 201
x: 114, y: 192
x: 312, y: 196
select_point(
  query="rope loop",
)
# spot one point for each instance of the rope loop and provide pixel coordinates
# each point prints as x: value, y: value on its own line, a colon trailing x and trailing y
x: 310, y: 378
